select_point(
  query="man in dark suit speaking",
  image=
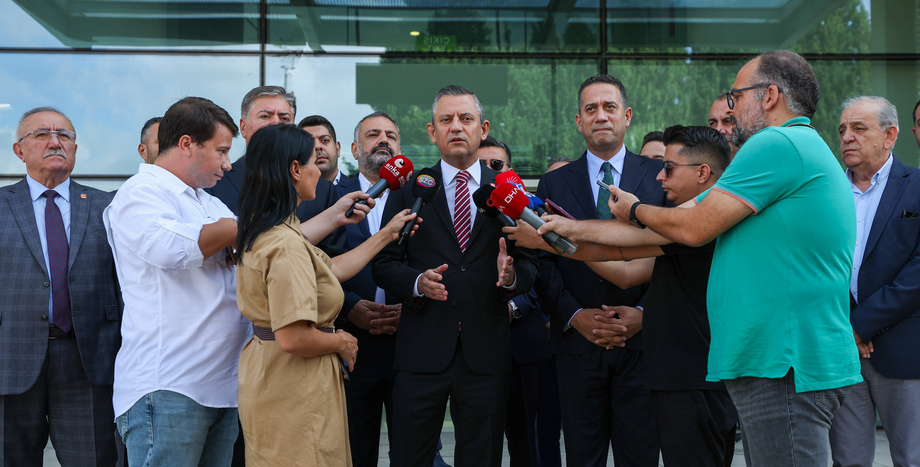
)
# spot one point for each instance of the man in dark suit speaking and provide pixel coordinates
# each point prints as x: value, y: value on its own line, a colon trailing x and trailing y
x: 60, y: 312
x: 601, y: 389
x: 454, y: 276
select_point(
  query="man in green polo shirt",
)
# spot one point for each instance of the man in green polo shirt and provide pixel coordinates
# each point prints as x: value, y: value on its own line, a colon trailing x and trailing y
x: 778, y: 288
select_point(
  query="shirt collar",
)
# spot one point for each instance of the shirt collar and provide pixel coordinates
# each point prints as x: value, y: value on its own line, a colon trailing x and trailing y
x: 595, y: 162
x: 166, y: 179
x: 449, y: 172
x: 797, y: 121
x: 37, y: 189
x: 880, y: 177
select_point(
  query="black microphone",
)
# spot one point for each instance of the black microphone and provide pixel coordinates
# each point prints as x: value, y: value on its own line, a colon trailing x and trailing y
x: 481, y: 199
x: 427, y: 184
x: 393, y: 175
x: 512, y: 201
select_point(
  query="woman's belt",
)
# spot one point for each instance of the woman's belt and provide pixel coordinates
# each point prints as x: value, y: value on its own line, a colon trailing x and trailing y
x: 266, y: 334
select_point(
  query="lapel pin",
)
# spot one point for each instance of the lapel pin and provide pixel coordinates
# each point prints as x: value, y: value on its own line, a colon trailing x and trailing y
x: 82, y: 195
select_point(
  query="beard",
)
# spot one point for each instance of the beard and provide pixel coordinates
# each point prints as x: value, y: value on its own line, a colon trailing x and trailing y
x: 374, y: 160
x: 747, y: 124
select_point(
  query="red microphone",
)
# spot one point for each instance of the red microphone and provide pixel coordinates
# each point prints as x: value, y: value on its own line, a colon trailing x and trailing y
x: 509, y: 176
x: 395, y: 174
x: 513, y: 202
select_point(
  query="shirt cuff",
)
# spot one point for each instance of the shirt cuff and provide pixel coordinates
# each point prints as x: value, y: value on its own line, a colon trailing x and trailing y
x: 415, y: 292
x: 568, y: 324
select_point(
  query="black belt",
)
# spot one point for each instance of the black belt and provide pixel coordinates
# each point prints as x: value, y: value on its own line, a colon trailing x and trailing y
x: 266, y: 334
x: 55, y: 332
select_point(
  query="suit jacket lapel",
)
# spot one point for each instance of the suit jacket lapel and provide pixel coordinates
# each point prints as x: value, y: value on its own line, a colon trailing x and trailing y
x: 897, y: 182
x: 488, y: 176
x: 79, y: 216
x: 578, y: 181
x: 636, y: 167
x: 439, y: 204
x: 21, y: 206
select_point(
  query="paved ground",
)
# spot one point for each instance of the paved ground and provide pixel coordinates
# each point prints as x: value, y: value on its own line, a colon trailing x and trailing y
x: 882, y: 457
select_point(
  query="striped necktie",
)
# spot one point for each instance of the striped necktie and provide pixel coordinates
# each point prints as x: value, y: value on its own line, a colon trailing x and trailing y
x: 462, y: 214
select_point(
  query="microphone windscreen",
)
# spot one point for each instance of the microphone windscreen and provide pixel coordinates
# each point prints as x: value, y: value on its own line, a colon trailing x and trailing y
x: 509, y: 200
x: 510, y: 177
x: 427, y: 184
x: 481, y: 199
x: 533, y: 202
x: 397, y: 171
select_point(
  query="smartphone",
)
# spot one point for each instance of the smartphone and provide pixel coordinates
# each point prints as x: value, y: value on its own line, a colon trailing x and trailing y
x: 605, y: 186
x: 557, y: 209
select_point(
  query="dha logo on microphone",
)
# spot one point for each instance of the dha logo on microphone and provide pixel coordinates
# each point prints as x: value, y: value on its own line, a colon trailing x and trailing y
x: 426, y: 181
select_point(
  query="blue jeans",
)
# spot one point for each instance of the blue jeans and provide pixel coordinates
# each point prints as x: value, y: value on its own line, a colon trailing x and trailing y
x: 780, y: 427
x: 167, y: 428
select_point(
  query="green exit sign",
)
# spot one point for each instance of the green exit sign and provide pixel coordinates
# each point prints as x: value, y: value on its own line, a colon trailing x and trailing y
x: 436, y: 43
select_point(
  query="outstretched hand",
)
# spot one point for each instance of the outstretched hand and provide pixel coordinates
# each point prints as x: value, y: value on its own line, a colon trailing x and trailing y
x: 505, y: 265
x: 620, y: 203
x: 429, y: 283
x: 345, y: 202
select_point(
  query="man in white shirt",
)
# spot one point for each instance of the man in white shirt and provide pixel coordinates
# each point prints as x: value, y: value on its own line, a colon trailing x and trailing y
x: 175, y: 391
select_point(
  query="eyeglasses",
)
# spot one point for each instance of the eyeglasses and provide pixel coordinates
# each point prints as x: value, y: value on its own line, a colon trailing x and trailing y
x: 731, y: 101
x: 65, y: 136
x: 496, y: 164
x: 668, y: 166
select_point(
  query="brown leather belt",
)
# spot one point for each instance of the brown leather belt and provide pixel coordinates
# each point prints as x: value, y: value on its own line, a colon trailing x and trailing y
x: 266, y: 334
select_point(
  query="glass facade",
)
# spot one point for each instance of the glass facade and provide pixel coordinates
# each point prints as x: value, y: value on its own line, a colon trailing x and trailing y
x: 110, y: 65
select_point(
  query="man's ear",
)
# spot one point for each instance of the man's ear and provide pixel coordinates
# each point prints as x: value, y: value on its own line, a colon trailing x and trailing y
x: 705, y: 174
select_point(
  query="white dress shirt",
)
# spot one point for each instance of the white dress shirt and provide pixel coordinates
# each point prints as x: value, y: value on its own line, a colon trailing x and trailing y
x: 373, y: 223
x: 181, y: 330
x: 866, y: 207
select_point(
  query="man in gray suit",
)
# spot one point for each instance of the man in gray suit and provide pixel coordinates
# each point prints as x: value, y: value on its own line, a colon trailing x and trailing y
x: 60, y: 311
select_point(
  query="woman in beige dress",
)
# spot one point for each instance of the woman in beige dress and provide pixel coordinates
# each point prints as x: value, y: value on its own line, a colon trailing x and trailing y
x: 291, y: 396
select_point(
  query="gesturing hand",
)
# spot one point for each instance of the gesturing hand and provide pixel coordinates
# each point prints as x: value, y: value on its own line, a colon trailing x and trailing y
x: 505, y: 265
x: 429, y: 284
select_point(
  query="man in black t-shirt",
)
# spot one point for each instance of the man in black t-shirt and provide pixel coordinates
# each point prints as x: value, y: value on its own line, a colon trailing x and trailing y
x: 695, y: 418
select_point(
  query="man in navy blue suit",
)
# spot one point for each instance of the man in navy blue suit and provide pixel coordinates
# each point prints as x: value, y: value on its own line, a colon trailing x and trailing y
x: 602, y: 393
x: 884, y: 289
x: 365, y: 313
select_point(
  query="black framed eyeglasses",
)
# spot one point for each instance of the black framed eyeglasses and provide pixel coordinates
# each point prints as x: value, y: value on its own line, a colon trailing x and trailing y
x: 44, y: 134
x: 731, y: 101
x: 668, y: 166
x: 496, y: 164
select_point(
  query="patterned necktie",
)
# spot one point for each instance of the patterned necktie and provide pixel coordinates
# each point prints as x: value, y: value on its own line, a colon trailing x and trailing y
x: 462, y: 214
x: 58, y: 254
x: 603, y: 210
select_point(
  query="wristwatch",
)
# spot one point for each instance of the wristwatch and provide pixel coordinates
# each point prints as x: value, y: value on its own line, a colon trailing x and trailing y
x: 514, y: 309
x: 632, y: 215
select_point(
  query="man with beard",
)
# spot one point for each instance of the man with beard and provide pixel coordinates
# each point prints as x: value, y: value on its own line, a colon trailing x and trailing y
x: 778, y: 295
x: 722, y: 119
x: 326, y: 146
x: 365, y: 313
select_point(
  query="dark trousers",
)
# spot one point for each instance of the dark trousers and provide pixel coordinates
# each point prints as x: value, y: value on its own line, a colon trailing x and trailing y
x: 64, y: 404
x: 368, y: 392
x: 477, y: 408
x: 605, y: 402
x: 534, y: 419
x: 695, y: 427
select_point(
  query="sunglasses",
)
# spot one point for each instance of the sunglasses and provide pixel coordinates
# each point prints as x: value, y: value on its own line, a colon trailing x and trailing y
x: 496, y: 164
x: 668, y: 166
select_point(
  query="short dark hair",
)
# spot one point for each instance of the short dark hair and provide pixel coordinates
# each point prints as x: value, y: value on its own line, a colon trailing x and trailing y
x: 913, y: 116
x: 491, y: 142
x: 604, y: 79
x: 268, y: 196
x: 701, y: 144
x: 558, y: 159
x: 194, y: 116
x: 378, y: 113
x: 317, y: 120
x: 793, y: 75
x: 653, y: 136
x: 146, y: 128
x: 267, y: 91
x: 455, y: 90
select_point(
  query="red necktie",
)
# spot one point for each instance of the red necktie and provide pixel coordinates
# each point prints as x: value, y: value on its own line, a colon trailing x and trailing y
x: 58, y: 254
x: 462, y: 214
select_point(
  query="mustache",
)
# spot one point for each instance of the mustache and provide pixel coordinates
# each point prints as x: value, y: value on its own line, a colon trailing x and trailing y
x: 55, y: 152
x: 378, y: 147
